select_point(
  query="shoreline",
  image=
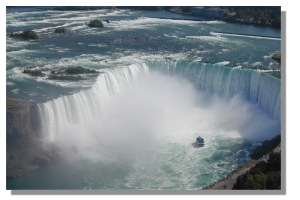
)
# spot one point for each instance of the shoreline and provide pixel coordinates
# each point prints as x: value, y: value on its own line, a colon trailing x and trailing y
x: 227, y: 182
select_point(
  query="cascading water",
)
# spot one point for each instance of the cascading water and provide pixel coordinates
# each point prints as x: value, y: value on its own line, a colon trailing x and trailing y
x: 86, y: 105
x: 143, y: 118
x: 133, y: 125
x: 255, y: 86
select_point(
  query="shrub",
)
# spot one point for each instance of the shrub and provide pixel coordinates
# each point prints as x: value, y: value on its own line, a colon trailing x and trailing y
x: 33, y: 72
x: 95, y: 24
x: 79, y: 70
x: 277, y: 56
x: 264, y: 175
x: 266, y: 147
x: 61, y: 30
x: 274, y: 180
x: 26, y: 35
x: 29, y: 35
x: 66, y: 77
x: 274, y: 163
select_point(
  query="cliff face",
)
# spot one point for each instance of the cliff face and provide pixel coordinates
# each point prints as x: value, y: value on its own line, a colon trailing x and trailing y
x: 24, y: 150
x: 17, y: 119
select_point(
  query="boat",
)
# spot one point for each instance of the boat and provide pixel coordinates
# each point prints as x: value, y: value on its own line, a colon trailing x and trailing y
x: 200, y: 141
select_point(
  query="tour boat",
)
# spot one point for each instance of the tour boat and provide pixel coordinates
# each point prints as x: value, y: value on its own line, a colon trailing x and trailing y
x: 200, y: 141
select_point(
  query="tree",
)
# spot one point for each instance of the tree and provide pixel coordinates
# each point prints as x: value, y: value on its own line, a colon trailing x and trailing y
x: 250, y: 183
x: 273, y: 180
x: 260, y: 180
x: 274, y: 163
x: 29, y: 35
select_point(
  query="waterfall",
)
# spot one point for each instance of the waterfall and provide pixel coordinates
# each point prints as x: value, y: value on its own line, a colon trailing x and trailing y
x: 86, y: 105
x: 255, y: 86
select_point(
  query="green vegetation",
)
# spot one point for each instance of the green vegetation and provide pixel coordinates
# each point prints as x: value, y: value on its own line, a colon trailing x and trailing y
x: 266, y: 147
x: 61, y: 30
x: 79, y: 70
x: 33, y: 72
x: 29, y: 35
x: 277, y: 56
x: 69, y: 73
x: 66, y: 77
x: 264, y: 175
x: 257, y: 15
x: 25, y: 35
x: 96, y: 23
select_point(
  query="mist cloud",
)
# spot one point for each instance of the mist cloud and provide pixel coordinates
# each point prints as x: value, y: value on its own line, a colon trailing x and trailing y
x: 159, y: 108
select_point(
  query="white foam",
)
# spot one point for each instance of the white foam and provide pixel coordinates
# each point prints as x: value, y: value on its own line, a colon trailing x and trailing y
x: 257, y: 64
x: 15, y: 91
x: 248, y: 36
x: 199, y: 59
x: 97, y: 45
x: 223, y: 63
x: 18, y: 52
x: 237, y: 67
x: 204, y: 51
x: 17, y: 74
x: 59, y: 49
x: 267, y: 57
x: 214, y: 22
x: 208, y: 38
x: 147, y: 23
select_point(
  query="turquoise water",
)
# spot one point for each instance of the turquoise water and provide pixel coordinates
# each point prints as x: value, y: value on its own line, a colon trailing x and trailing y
x: 164, y: 83
x: 130, y: 37
x: 171, y: 168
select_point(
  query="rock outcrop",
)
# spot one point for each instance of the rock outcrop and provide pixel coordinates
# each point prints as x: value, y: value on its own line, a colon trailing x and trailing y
x: 24, y: 149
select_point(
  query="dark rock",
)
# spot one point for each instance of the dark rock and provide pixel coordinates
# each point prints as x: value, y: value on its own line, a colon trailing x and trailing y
x: 24, y: 149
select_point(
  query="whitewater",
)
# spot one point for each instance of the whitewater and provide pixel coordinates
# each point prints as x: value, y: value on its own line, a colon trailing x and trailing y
x: 161, y: 84
x: 146, y: 116
x: 254, y: 86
